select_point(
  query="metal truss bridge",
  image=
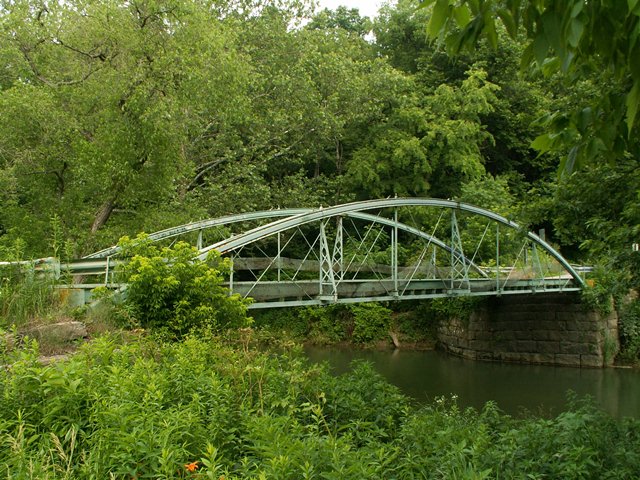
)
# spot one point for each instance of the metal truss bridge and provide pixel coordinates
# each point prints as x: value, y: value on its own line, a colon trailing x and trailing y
x: 376, y: 250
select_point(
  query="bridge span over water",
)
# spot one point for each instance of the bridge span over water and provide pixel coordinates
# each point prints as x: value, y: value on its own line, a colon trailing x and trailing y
x: 375, y: 250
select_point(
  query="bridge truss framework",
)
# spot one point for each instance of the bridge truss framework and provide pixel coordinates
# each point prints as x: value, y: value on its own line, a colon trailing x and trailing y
x: 376, y: 250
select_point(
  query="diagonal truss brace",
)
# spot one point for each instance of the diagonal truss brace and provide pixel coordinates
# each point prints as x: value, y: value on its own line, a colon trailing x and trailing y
x: 328, y: 291
x: 338, y: 252
x: 459, y: 275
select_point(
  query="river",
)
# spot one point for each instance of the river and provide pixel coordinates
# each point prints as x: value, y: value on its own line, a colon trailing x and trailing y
x: 540, y: 389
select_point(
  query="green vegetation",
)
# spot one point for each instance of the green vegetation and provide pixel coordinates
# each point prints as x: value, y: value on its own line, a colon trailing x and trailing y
x: 24, y: 297
x: 360, y: 324
x: 169, y: 291
x: 148, y: 410
x: 126, y: 116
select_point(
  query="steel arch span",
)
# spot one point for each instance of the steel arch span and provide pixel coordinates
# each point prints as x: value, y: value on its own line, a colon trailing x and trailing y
x: 375, y: 250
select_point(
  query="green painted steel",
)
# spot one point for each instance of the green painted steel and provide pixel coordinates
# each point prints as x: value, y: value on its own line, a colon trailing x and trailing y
x: 336, y: 282
x: 300, y: 219
x: 265, y: 214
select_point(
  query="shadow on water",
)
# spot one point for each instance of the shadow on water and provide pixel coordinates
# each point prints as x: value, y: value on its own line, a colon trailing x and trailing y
x: 425, y: 375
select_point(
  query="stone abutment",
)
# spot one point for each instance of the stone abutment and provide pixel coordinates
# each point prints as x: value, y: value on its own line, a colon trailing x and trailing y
x: 552, y: 329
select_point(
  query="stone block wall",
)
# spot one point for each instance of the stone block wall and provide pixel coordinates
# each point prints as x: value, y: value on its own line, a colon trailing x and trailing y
x: 553, y: 329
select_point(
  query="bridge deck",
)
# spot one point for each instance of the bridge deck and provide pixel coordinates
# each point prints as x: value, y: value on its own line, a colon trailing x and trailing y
x: 279, y: 294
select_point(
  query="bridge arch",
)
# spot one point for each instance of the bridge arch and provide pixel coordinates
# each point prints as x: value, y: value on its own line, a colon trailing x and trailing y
x: 303, y: 218
x: 337, y: 281
x: 268, y: 214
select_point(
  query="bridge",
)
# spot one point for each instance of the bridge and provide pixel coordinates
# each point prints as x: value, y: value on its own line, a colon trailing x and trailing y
x: 376, y: 250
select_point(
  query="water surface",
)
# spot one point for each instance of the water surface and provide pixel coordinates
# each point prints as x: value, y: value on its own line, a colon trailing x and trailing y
x: 536, y: 388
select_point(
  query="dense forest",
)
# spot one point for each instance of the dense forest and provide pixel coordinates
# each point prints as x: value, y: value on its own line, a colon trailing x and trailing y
x: 120, y: 117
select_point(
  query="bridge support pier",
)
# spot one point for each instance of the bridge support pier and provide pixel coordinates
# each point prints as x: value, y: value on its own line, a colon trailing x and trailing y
x: 543, y: 328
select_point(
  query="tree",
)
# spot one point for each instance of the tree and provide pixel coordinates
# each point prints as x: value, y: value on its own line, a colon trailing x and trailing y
x: 576, y: 39
x: 111, y: 99
x: 347, y: 19
x: 429, y: 145
x: 401, y: 35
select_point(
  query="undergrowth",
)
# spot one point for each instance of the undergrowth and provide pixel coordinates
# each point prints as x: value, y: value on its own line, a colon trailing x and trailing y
x: 203, y: 409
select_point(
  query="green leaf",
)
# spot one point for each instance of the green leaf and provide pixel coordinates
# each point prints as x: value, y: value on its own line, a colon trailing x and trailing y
x: 575, y: 32
x: 568, y: 163
x: 634, y: 65
x: 633, y: 98
x: 462, y: 15
x: 438, y: 18
x: 583, y: 119
x: 508, y: 21
x: 632, y: 4
x: 490, y: 30
x: 594, y: 147
x: 540, y: 49
x: 542, y: 143
x: 526, y: 58
x: 552, y: 31
x: 577, y: 8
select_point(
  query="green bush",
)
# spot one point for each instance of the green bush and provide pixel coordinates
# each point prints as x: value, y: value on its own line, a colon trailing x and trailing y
x: 371, y: 321
x: 361, y: 323
x: 605, y: 288
x: 277, y: 320
x: 171, y: 291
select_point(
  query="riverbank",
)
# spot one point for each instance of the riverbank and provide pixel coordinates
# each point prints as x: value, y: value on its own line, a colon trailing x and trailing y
x: 201, y: 408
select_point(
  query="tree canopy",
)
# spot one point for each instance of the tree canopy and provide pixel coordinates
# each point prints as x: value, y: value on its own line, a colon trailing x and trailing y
x: 578, y: 39
x: 126, y: 116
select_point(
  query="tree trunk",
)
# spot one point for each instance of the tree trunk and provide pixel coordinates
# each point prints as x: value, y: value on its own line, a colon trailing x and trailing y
x: 103, y: 215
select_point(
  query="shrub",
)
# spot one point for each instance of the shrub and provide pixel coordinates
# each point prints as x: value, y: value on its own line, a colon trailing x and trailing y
x: 171, y: 290
x: 629, y: 327
x: 371, y: 321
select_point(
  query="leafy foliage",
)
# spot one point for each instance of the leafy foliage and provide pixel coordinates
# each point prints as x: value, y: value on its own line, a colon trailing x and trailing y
x: 145, y: 409
x: 576, y: 38
x: 629, y: 326
x: 170, y: 290
x: 361, y: 324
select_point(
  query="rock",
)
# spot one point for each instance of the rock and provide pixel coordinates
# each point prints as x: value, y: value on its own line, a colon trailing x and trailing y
x: 62, y: 332
x: 47, y: 360
x: 8, y: 342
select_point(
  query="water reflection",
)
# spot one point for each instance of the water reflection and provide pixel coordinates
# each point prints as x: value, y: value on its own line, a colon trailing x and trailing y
x: 540, y: 389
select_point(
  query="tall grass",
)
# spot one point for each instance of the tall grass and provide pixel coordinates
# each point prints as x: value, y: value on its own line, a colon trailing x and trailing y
x: 25, y: 295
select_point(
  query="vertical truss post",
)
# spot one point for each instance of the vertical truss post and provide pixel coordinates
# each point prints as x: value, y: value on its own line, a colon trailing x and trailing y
x: 199, y: 244
x: 279, y: 258
x: 394, y: 253
x: 434, y: 261
x: 338, y: 251
x: 497, y: 258
x: 459, y: 267
x: 231, y: 276
x: 106, y: 272
x: 327, y: 286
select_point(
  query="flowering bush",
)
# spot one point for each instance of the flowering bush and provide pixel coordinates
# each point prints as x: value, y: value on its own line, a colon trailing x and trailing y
x: 171, y: 290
